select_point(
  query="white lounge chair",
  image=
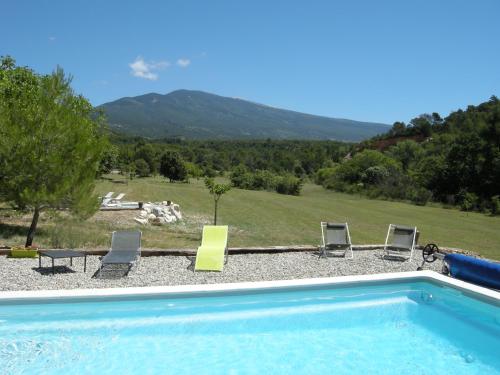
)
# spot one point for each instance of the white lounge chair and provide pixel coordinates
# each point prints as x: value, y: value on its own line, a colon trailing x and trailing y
x: 109, y: 195
x: 113, y: 202
x: 336, y: 240
x: 105, y: 200
x: 119, y: 197
x: 402, y: 243
x: 125, y: 250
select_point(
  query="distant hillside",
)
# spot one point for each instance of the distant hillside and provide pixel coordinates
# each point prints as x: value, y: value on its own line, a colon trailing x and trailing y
x: 200, y: 115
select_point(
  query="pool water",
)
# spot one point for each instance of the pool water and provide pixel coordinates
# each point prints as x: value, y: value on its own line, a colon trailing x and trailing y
x: 385, y: 328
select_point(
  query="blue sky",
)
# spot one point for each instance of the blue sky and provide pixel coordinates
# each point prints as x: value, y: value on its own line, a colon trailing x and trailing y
x: 378, y: 61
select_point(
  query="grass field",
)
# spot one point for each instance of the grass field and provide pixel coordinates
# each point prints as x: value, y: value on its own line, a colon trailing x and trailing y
x: 258, y: 218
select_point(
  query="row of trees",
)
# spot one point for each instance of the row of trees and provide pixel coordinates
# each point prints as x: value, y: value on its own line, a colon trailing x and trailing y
x: 209, y: 158
x: 242, y: 178
x: 456, y: 161
x: 280, y: 166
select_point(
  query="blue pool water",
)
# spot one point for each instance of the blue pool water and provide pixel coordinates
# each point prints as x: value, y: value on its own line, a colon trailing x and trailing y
x: 392, y: 328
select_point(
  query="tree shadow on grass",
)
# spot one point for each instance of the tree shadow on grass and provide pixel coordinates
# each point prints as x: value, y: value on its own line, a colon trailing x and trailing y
x: 8, y: 231
x: 12, y: 230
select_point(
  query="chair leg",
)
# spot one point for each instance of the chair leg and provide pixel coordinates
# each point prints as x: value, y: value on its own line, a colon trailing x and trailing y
x: 99, y: 271
x: 129, y: 268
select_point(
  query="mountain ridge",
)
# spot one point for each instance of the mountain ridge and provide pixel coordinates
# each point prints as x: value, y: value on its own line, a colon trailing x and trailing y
x: 197, y: 114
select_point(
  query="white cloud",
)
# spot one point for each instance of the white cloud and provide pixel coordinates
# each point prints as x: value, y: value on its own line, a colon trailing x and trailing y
x: 183, y: 62
x: 147, y: 70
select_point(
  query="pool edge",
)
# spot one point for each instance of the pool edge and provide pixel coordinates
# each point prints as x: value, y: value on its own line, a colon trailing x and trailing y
x: 254, y: 286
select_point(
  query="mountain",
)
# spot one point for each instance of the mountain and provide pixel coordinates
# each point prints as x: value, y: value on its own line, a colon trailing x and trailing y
x: 200, y: 115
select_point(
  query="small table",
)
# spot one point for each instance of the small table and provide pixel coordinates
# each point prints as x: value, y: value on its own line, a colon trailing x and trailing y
x: 59, y: 254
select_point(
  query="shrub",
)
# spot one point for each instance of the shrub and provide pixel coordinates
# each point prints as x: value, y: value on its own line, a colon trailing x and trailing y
x: 241, y: 178
x: 335, y: 183
x: 495, y: 205
x: 260, y: 180
x: 298, y: 170
x: 323, y: 175
x: 396, y: 185
x: 288, y: 184
x: 374, y: 175
x: 420, y: 196
x: 193, y: 170
x: 264, y: 180
x: 352, y: 170
x: 209, y: 172
x: 468, y: 201
x: 142, y: 168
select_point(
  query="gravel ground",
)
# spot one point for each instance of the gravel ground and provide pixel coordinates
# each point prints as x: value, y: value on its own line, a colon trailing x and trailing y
x: 24, y: 274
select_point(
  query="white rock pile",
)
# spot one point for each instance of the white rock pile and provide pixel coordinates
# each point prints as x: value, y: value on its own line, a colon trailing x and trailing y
x: 159, y: 213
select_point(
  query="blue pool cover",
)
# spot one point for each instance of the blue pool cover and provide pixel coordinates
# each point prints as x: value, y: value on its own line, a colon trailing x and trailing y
x: 476, y: 271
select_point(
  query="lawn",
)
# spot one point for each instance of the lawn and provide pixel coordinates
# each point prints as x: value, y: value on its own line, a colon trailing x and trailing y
x: 259, y: 218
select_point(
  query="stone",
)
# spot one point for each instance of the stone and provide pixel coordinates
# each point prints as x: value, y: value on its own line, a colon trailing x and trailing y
x: 169, y: 219
x: 141, y: 220
x: 176, y: 211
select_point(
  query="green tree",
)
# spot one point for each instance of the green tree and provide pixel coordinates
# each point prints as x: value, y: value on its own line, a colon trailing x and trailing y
x: 217, y: 191
x: 109, y: 160
x: 193, y: 170
x: 398, y: 128
x: 406, y: 152
x: 172, y: 167
x: 142, y: 168
x: 352, y: 171
x: 50, y: 144
x: 146, y: 153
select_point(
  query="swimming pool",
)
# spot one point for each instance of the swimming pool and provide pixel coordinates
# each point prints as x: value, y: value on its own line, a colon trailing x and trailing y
x: 412, y: 323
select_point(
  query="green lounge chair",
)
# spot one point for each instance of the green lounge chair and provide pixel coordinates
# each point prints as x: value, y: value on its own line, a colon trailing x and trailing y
x: 212, y: 254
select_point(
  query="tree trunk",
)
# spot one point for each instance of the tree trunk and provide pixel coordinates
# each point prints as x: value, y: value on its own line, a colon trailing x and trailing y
x: 215, y: 214
x: 32, y: 230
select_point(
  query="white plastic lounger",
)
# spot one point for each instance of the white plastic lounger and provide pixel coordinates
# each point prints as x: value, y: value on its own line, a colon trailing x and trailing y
x: 119, y: 197
x: 111, y: 202
x: 109, y: 195
x: 402, y: 244
x: 336, y: 240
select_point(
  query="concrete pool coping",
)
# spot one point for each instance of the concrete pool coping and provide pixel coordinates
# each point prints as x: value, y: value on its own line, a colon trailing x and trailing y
x: 80, y: 295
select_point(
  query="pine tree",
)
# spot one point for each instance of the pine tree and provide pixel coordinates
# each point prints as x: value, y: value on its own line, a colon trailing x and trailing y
x: 50, y: 144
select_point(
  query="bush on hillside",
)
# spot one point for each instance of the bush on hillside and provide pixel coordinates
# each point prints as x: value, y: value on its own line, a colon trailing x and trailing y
x: 290, y: 185
x: 468, y: 201
x: 142, y: 168
x: 420, y: 196
x: 323, y: 174
x: 495, y: 205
